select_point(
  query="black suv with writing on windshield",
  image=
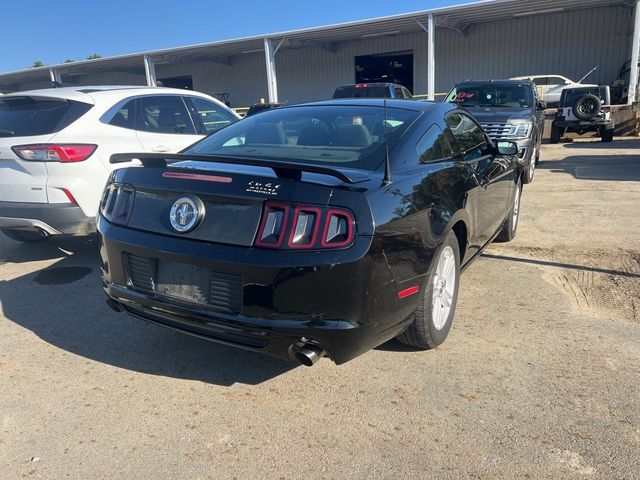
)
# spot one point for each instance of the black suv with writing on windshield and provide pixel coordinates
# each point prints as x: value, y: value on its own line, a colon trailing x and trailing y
x: 506, y: 110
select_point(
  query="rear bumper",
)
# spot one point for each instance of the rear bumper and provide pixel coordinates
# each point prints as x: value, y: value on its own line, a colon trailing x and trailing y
x: 53, y: 218
x: 287, y: 298
x: 583, y: 124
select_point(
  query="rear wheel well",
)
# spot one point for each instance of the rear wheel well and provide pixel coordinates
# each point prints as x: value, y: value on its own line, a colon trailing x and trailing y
x: 460, y: 230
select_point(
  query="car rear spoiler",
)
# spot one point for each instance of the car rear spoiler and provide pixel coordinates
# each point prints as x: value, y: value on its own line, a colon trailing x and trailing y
x: 281, y: 169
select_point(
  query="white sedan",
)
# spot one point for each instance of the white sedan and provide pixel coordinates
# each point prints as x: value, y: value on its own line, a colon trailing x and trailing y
x: 55, y: 146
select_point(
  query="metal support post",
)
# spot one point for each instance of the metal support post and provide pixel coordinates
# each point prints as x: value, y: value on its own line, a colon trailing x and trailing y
x: 431, y: 61
x: 150, y: 71
x: 56, y: 78
x: 270, y: 60
x: 635, y: 50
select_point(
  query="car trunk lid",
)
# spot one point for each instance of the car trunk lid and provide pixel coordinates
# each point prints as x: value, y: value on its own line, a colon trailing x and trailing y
x: 232, y: 197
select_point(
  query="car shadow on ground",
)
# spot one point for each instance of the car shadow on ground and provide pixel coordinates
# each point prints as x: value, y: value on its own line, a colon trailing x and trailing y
x: 614, y: 167
x: 570, y: 266
x: 63, y: 304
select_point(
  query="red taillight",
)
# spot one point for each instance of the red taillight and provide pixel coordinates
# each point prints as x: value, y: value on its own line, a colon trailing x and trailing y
x: 50, y: 152
x: 117, y: 203
x: 606, y: 109
x: 273, y: 226
x: 338, y: 229
x: 306, y: 221
x: 361, y: 85
x: 303, y: 231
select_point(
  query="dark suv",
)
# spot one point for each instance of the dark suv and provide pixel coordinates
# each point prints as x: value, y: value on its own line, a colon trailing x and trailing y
x: 584, y: 109
x: 507, y: 110
x: 372, y: 90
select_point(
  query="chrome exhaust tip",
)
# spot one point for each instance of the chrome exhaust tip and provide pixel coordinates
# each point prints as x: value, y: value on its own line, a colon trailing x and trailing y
x: 309, y: 354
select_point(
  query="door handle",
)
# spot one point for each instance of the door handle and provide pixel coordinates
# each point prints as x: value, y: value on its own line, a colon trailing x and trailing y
x: 160, y: 149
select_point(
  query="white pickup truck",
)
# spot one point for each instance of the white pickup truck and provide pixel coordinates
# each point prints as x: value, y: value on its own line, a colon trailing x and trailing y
x: 550, y: 87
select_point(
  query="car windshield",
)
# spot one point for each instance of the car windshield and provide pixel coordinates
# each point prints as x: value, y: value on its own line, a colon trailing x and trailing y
x: 492, y: 95
x: 346, y: 136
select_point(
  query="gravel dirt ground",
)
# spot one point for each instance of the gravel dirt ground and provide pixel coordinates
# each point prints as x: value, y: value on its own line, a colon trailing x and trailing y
x: 539, y: 378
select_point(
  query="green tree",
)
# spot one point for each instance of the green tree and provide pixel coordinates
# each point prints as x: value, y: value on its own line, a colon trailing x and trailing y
x: 94, y: 56
x: 69, y: 60
x: 37, y: 63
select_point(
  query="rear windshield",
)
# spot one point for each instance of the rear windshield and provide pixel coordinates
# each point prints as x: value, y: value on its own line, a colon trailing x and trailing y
x: 26, y: 116
x: 492, y: 95
x: 342, y: 136
x: 353, y: 91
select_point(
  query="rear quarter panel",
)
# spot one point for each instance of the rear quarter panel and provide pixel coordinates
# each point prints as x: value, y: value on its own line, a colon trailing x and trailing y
x: 418, y: 209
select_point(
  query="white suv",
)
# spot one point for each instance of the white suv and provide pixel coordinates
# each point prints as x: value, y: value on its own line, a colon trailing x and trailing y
x: 55, y: 146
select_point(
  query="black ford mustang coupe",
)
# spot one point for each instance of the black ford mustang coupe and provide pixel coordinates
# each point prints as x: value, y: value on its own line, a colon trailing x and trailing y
x: 323, y: 228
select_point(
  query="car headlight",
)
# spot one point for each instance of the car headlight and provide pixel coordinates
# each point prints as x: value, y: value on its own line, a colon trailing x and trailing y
x: 520, y: 129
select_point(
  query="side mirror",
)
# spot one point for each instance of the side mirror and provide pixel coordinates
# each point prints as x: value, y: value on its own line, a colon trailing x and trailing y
x: 507, y: 148
x: 542, y: 105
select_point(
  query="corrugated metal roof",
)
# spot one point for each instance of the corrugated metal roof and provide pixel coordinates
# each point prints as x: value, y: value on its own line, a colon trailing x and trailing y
x: 459, y: 17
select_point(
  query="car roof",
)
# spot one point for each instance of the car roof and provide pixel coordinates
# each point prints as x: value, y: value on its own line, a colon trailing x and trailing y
x: 418, y: 106
x: 501, y: 81
x: 372, y: 84
x: 89, y: 94
x: 538, y: 76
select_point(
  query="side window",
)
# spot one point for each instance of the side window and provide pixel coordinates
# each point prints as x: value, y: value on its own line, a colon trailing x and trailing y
x: 556, y: 81
x: 433, y: 146
x: 163, y: 114
x: 469, y: 137
x: 407, y: 93
x: 126, y: 116
x: 541, y: 81
x: 211, y: 116
x: 399, y: 93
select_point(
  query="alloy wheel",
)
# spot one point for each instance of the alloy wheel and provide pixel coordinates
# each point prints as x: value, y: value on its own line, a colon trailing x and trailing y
x: 443, y: 288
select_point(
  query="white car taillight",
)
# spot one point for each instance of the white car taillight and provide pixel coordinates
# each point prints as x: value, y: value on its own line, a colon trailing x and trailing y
x: 50, y: 152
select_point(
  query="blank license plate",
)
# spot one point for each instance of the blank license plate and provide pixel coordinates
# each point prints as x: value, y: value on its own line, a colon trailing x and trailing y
x: 183, y: 281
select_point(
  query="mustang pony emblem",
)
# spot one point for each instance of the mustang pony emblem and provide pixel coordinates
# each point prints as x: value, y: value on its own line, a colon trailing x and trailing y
x: 185, y: 214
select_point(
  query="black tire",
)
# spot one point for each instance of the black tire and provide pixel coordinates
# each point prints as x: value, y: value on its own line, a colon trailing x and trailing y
x: 422, y: 333
x: 587, y: 106
x: 26, y: 236
x: 606, y: 134
x: 510, y: 227
x: 556, y: 134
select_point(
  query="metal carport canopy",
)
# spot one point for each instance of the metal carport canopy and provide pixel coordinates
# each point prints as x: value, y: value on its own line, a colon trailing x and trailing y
x: 458, y: 17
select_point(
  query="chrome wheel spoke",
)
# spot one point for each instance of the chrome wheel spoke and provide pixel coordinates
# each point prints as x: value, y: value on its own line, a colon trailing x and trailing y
x: 447, y: 298
x: 448, y: 268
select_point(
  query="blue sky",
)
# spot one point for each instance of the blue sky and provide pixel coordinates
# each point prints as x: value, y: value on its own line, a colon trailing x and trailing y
x: 53, y: 31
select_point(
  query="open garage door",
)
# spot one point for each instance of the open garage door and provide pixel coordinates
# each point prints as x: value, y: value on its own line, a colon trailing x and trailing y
x: 395, y: 67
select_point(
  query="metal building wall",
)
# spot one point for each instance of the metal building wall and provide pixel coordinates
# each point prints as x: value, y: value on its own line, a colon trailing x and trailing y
x: 565, y: 43
x: 245, y: 79
x: 568, y: 44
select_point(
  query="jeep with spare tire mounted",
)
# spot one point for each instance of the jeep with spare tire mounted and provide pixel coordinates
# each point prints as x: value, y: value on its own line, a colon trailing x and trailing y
x: 584, y: 109
x: 507, y: 110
